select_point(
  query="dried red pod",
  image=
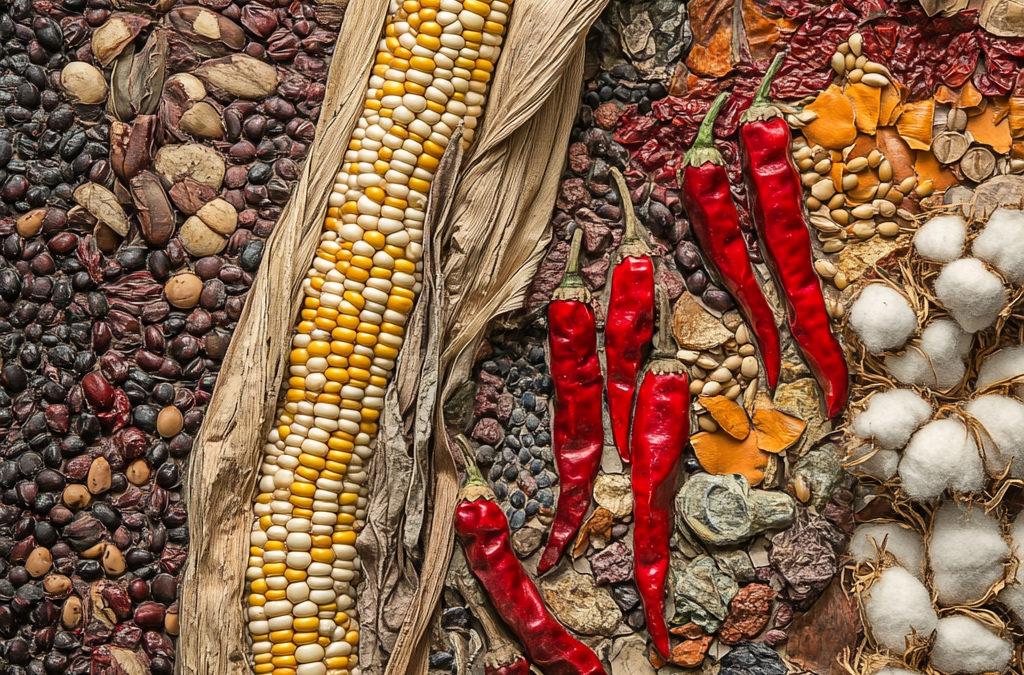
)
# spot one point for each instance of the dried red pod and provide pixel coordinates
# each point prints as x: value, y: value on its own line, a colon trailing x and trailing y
x: 259, y: 19
x: 21, y: 550
x: 84, y: 533
x: 98, y: 391
x: 119, y: 414
x: 114, y: 367
x: 131, y: 146
x: 190, y: 195
x: 150, y: 615
x: 156, y: 217
x: 127, y: 636
x: 156, y: 644
x: 132, y: 442
x: 116, y: 597
x: 77, y: 468
x: 283, y: 45
x: 172, y: 559
x: 129, y: 499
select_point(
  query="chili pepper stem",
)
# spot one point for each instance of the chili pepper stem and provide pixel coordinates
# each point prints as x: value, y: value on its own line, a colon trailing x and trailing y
x: 572, y: 287
x: 633, y: 243
x: 475, y: 487
x: 703, y: 149
x: 761, y: 108
x: 665, y: 361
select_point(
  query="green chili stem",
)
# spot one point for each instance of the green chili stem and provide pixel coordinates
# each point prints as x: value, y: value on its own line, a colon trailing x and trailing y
x: 762, y: 96
x: 705, y: 136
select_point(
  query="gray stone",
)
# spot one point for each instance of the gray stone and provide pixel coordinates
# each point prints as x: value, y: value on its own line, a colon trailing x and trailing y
x: 583, y: 607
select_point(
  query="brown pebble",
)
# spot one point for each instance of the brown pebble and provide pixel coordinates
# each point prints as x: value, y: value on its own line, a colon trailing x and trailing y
x: 76, y: 496
x: 199, y: 240
x: 71, y: 615
x: 39, y: 562
x: 30, y: 223
x: 113, y: 561
x: 169, y: 421
x: 56, y: 584
x: 183, y: 290
x: 138, y: 472
x: 98, y: 479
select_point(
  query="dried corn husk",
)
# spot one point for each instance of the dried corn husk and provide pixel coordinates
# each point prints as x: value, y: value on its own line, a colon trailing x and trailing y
x: 915, y: 124
x: 510, y: 178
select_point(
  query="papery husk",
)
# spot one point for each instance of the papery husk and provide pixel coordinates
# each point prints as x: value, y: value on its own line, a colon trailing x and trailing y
x: 1016, y: 117
x: 116, y: 33
x: 891, y: 101
x: 489, y: 224
x: 927, y: 167
x: 915, y: 124
x: 835, y: 126
x: 720, y: 454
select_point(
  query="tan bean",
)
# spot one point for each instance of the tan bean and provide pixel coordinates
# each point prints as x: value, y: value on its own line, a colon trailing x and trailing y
x: 733, y: 392
x: 875, y: 80
x: 823, y: 167
x: 855, y: 75
x: 836, y: 201
x: 822, y: 189
x: 841, y: 216
x: 833, y: 246
x: 825, y: 268
x: 864, y: 229
x: 850, y: 61
x: 885, y: 171
x: 908, y: 184
x: 839, y: 63
x: 863, y: 211
x: 857, y: 164
x: 840, y: 280
x: 856, y: 42
x: 810, y: 178
x: 925, y: 188
x: 889, y: 228
x: 874, y: 158
x: 850, y: 182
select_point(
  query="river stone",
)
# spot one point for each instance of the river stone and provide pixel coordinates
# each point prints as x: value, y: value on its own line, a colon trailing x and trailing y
x: 803, y: 399
x: 702, y: 594
x: 723, y: 510
x: 695, y: 327
x: 526, y: 540
x: 822, y: 469
x: 614, y: 492
x: 628, y: 656
x: 612, y: 565
x: 581, y: 606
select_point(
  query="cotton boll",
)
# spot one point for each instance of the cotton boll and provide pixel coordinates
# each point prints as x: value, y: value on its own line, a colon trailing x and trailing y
x: 965, y: 645
x: 942, y: 454
x: 882, y: 318
x: 881, y: 465
x: 966, y: 553
x: 1017, y: 544
x: 1001, y: 244
x: 942, y: 239
x: 898, y: 604
x: 891, y: 418
x: 971, y: 293
x: 896, y: 671
x: 1013, y: 598
x: 905, y: 544
x: 1001, y: 419
x: 1004, y: 365
x: 944, y: 345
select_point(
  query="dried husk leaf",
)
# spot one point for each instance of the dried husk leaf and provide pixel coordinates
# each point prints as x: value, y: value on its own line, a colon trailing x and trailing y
x: 238, y: 76
x: 970, y: 98
x: 131, y: 146
x: 763, y: 31
x: 896, y: 151
x: 866, y: 106
x: 103, y: 205
x: 173, y: 104
x: 1003, y: 17
x: 915, y: 124
x: 927, y: 167
x: 156, y: 217
x: 110, y: 39
x: 190, y: 195
x: 891, y: 100
x: 600, y: 522
x: 209, y: 33
x: 149, y: 69
x: 992, y: 128
x: 834, y: 127
x: 1016, y: 117
x: 721, y: 454
x: 119, y: 104
x: 777, y: 431
x: 729, y: 415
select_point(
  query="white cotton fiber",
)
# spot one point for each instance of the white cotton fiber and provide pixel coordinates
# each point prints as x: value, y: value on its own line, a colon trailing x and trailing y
x: 882, y: 318
x: 966, y: 553
x: 903, y: 543
x: 1001, y: 244
x: 881, y: 465
x: 944, y: 345
x: 942, y: 454
x: 896, y: 671
x: 942, y: 238
x: 1002, y: 423
x: 1012, y: 597
x: 971, y: 293
x: 1005, y: 364
x: 898, y: 604
x: 891, y: 418
x: 965, y: 645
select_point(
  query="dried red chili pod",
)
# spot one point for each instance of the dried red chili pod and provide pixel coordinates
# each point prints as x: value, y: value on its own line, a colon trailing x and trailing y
x: 630, y: 322
x: 578, y: 427
x: 715, y: 223
x: 776, y: 198
x: 483, y: 533
x: 661, y: 428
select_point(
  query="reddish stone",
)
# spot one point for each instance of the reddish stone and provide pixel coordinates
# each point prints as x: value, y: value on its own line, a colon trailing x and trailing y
x: 573, y: 195
x: 690, y: 631
x: 775, y: 637
x: 552, y: 268
x: 749, y: 612
x: 612, y: 565
x: 690, y: 653
x: 669, y: 279
x: 579, y: 158
x: 828, y: 628
x: 487, y: 431
x: 595, y: 274
x: 607, y: 115
x: 505, y: 404
x: 485, y: 403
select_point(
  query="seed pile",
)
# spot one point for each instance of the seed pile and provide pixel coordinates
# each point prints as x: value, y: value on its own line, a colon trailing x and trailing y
x: 131, y: 221
x: 432, y: 71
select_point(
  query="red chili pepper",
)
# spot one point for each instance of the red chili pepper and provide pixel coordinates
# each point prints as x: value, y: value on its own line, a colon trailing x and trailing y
x: 578, y: 427
x: 630, y: 323
x: 661, y: 428
x: 776, y: 198
x: 483, y: 533
x: 715, y: 223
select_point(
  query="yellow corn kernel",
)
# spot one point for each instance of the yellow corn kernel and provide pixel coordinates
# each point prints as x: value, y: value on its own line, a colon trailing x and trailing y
x: 295, y: 575
x: 259, y: 586
x: 263, y: 668
x: 346, y: 518
x: 344, y: 537
x: 306, y: 472
x: 280, y: 636
x: 427, y: 162
x: 274, y: 545
x: 284, y: 661
x: 276, y: 594
x: 305, y: 327
x: 303, y: 489
x: 283, y: 671
x: 324, y: 555
x: 318, y: 348
x: 352, y: 637
x: 302, y: 513
x: 348, y: 498
x: 305, y: 623
x: 304, y: 638
x: 257, y: 600
x: 337, y: 662
x: 298, y: 356
x: 374, y: 238
x: 274, y: 569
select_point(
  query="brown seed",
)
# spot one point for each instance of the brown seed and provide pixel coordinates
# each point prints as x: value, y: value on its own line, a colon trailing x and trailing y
x: 71, y: 615
x: 113, y: 561
x: 39, y: 562
x: 219, y: 216
x: 83, y: 83
x: 200, y: 240
x: 193, y: 86
x: 138, y: 472
x: 948, y: 147
x: 802, y: 489
x: 169, y: 421
x: 183, y: 290
x: 76, y: 496
x: 171, y: 621
x: 94, y: 551
x: 56, y: 584
x: 30, y: 223
x: 98, y: 479
x: 202, y: 121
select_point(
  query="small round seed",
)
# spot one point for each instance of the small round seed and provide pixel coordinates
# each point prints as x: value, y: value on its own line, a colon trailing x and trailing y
x: 823, y: 189
x: 813, y: 204
x: 864, y: 229
x: 850, y: 182
x: 875, y: 80
x: 888, y: 228
x: 733, y: 392
x: 856, y: 75
x: 874, y: 158
x: 833, y: 246
x: 824, y: 166
x: 747, y: 350
x: 825, y: 268
x: 856, y: 42
x: 810, y: 178
x: 857, y: 164
x: 841, y: 216
x: 711, y: 389
x: 840, y: 280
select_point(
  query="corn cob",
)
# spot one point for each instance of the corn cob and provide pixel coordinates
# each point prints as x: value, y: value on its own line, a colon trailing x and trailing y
x: 432, y: 71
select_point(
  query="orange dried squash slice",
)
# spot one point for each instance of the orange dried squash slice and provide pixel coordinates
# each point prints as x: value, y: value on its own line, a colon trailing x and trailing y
x: 834, y: 127
x: 866, y: 106
x: 992, y: 127
x: 777, y: 431
x: 729, y: 415
x: 915, y: 124
x: 928, y: 167
x: 721, y: 454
